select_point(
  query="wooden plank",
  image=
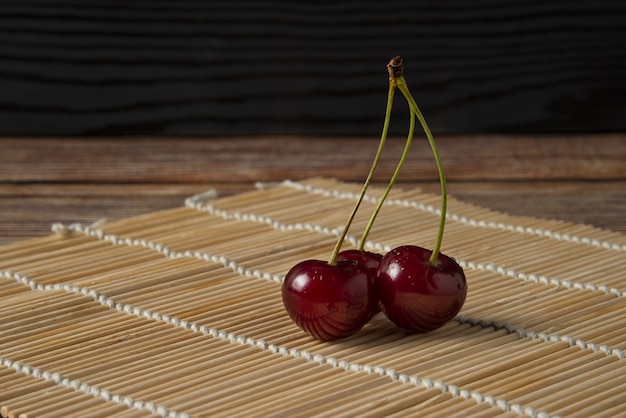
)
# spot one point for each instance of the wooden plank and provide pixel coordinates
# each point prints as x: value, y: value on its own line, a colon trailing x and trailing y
x: 240, y: 67
x: 598, y: 203
x: 29, y: 210
x: 579, y: 179
x: 250, y: 159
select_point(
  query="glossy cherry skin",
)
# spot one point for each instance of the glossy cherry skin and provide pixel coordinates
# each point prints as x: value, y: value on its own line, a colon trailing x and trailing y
x: 368, y: 259
x: 329, y: 301
x: 415, y: 295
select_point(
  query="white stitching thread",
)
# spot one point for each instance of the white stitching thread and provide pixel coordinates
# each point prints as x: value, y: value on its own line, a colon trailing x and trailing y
x: 87, y: 389
x: 458, y: 218
x: 203, y: 256
x: 239, y: 269
x: 280, y: 226
x: 232, y: 338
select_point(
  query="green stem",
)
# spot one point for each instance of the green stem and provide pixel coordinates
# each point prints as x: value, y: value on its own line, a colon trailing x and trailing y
x: 407, y: 146
x: 401, y: 84
x: 383, y: 137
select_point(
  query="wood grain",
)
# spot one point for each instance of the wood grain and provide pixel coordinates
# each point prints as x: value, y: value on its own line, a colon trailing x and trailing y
x: 189, y: 160
x: 578, y: 179
x: 241, y: 67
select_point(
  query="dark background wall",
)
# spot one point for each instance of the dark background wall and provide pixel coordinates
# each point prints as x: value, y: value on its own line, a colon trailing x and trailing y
x: 200, y: 67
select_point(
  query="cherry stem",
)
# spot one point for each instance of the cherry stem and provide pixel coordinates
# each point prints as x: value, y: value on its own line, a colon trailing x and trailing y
x: 383, y: 138
x: 402, y: 86
x: 392, y: 181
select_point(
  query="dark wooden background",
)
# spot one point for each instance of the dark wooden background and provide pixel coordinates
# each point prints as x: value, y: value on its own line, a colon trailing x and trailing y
x: 208, y: 68
x: 112, y: 108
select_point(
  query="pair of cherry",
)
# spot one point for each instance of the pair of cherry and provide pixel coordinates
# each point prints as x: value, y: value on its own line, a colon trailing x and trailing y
x: 417, y: 289
x: 335, y: 301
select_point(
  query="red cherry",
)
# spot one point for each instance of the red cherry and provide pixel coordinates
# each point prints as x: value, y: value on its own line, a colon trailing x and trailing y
x: 329, y: 301
x: 417, y: 295
x: 368, y: 259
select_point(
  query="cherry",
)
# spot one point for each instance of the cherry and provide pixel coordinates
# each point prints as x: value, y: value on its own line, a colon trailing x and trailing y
x: 418, y: 290
x: 369, y: 260
x: 415, y: 294
x: 334, y: 299
x: 329, y: 301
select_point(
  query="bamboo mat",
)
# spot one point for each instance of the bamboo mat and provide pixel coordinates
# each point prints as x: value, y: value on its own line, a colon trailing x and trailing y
x: 178, y: 314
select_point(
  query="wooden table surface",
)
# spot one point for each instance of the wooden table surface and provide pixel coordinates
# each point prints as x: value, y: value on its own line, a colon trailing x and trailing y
x: 575, y: 178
